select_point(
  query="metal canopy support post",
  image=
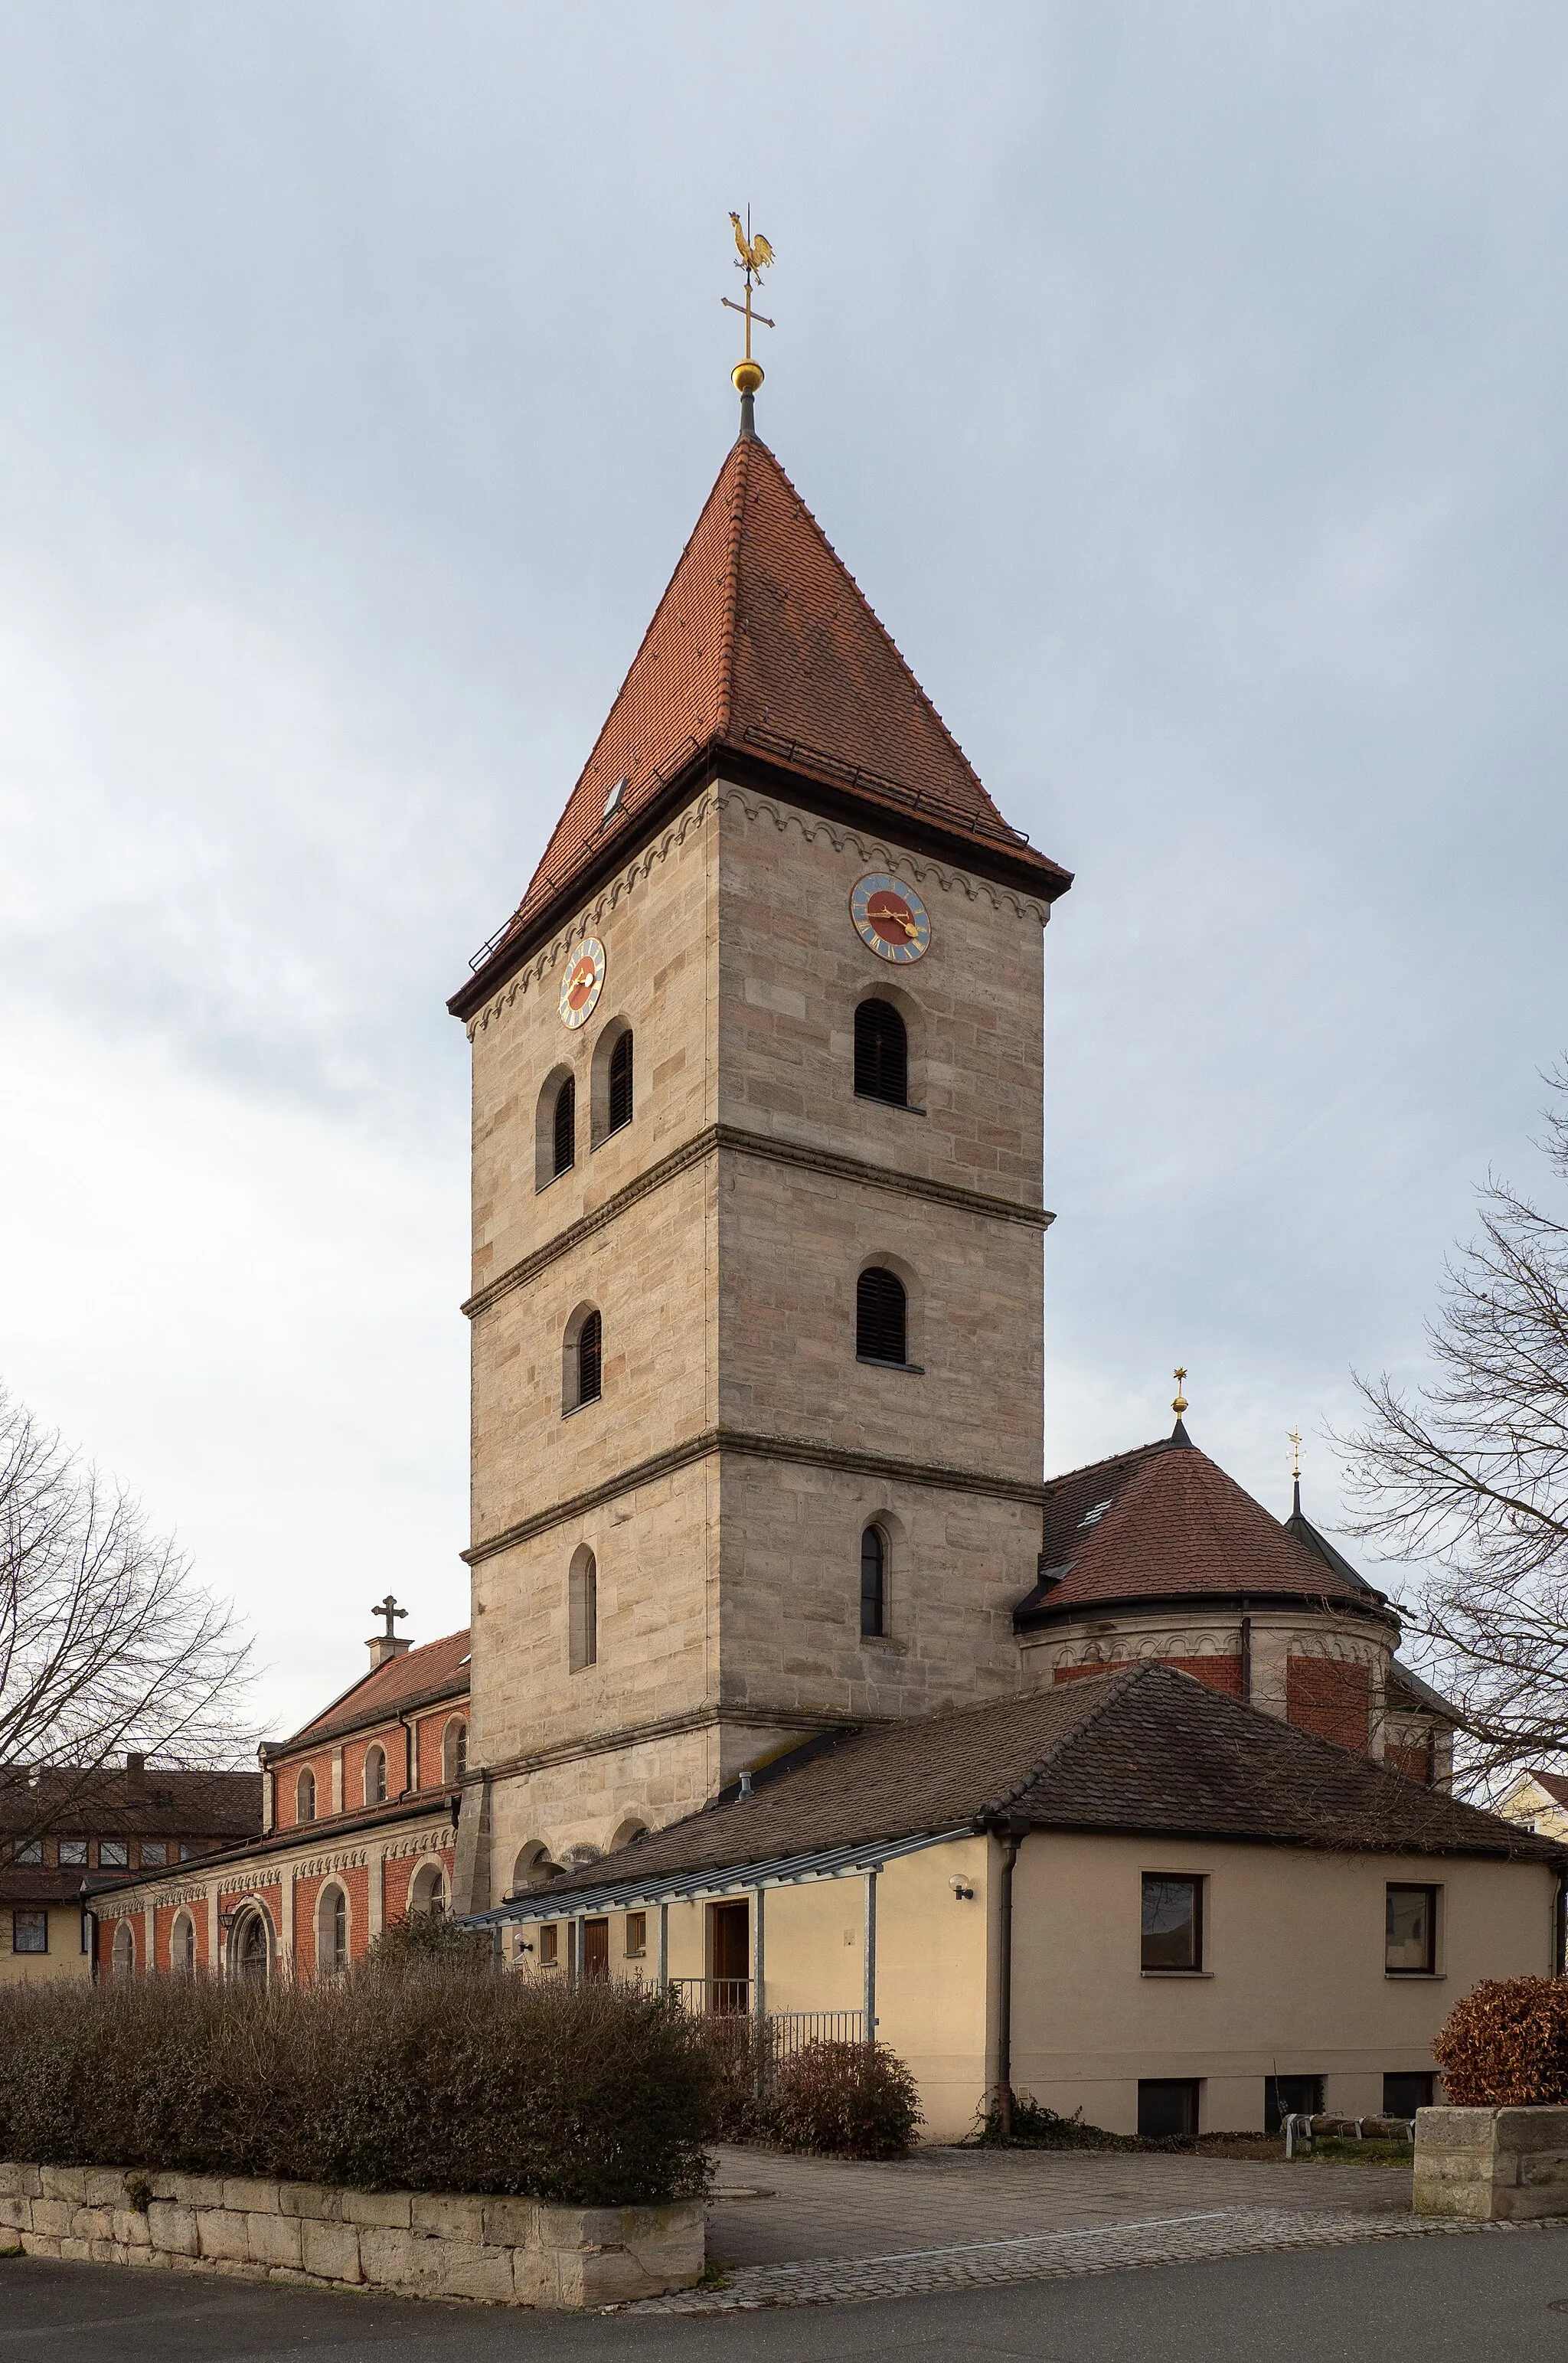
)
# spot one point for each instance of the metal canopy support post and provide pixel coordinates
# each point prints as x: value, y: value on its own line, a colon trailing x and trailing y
x: 758, y: 2003
x: 664, y: 1948
x: 870, y: 1957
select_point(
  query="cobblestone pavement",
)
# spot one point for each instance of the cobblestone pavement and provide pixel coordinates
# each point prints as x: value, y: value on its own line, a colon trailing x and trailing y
x: 825, y: 2230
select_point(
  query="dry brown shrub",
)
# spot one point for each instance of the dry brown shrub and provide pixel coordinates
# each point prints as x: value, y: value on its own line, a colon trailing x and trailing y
x: 1506, y: 2044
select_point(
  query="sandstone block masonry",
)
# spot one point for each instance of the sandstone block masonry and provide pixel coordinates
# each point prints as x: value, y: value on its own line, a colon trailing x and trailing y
x: 494, y: 2251
x: 1492, y: 2165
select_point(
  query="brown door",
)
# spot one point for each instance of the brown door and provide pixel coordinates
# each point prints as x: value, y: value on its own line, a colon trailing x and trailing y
x: 729, y: 1986
x: 596, y: 1949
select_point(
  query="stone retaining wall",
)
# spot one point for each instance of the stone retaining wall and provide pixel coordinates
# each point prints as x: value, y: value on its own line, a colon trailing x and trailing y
x: 416, y: 2243
x: 1491, y: 2165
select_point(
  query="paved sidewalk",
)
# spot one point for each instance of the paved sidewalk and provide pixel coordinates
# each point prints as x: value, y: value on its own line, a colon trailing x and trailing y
x: 821, y: 2231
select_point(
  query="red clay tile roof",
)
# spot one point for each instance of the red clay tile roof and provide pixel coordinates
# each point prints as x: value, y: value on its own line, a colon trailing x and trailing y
x: 1554, y: 1784
x: 1146, y: 1749
x: 438, y: 1669
x: 166, y: 1800
x: 765, y: 642
x: 1165, y: 1522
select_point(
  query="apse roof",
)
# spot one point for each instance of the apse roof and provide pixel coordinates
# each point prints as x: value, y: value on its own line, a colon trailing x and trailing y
x: 1164, y: 1522
x: 764, y: 645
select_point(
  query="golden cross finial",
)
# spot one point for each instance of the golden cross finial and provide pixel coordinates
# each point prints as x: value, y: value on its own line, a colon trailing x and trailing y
x: 1294, y: 1440
x: 1179, y: 1403
x: 754, y: 256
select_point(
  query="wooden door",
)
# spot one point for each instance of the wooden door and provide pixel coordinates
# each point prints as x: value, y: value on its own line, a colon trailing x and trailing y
x: 596, y: 1949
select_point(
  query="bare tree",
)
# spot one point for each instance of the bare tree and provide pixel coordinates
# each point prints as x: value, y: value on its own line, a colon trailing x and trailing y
x: 106, y: 1642
x: 1470, y: 1475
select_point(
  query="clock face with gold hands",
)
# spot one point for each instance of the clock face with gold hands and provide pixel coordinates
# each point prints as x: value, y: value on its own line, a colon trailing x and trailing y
x: 890, y: 918
x: 582, y: 984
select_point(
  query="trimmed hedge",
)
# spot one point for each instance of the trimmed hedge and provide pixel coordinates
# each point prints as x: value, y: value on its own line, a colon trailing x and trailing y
x: 1506, y: 2044
x: 425, y: 2076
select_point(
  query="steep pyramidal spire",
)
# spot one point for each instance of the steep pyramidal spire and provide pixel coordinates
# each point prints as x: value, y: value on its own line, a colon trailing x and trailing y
x: 763, y: 647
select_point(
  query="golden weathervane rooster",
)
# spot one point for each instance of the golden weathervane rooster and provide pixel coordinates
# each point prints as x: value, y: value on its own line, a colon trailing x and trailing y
x: 754, y: 256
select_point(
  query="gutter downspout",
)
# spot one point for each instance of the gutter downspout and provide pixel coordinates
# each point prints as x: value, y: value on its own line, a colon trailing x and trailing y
x: 1011, y: 1837
x: 1246, y: 1661
x: 1560, y: 1937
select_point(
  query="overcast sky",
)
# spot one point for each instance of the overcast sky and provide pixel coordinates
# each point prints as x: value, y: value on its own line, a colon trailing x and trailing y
x: 1185, y: 384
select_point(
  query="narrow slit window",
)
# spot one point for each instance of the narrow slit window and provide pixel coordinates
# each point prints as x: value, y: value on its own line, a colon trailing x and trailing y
x: 584, y: 1611
x: 873, y: 1583
x: 620, y: 1083
x: 881, y: 1317
x: 881, y: 1054
x: 590, y: 1358
x: 565, y: 1126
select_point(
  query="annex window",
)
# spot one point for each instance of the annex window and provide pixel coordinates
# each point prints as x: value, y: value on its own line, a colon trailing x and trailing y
x: 154, y: 1853
x: 30, y: 1850
x: 620, y: 1108
x: 304, y: 1796
x: 881, y: 1317
x: 375, y: 1776
x: 114, y: 1853
x: 583, y: 1611
x: 73, y: 1854
x: 873, y: 1583
x: 881, y: 1054
x: 29, y: 1931
x: 637, y: 1934
x: 1410, y: 1942
x: 550, y: 1946
x: 1167, y: 2106
x: 564, y: 1149
x: 1173, y: 1922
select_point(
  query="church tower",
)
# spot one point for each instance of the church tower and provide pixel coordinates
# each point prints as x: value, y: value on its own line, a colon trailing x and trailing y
x: 757, y: 1306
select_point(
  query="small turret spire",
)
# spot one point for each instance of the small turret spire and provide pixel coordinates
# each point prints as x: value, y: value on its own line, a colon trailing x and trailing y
x: 753, y: 255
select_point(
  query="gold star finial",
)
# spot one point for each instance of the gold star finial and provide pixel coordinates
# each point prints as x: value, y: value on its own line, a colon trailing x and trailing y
x: 754, y: 256
x: 1180, y: 1402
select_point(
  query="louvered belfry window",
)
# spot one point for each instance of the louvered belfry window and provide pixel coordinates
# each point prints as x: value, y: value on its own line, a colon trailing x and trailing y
x: 881, y: 1054
x: 873, y: 1583
x: 881, y: 1317
x: 590, y: 1358
x: 565, y: 1126
x: 621, y: 1083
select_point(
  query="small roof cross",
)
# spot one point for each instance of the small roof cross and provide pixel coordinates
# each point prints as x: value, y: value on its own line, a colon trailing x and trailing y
x: 389, y: 1609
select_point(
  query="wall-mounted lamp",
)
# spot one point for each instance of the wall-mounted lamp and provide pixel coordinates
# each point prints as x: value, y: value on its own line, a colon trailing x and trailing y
x: 961, y: 1889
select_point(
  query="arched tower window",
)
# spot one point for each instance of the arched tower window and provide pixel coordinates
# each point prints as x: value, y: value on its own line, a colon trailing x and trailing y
x: 583, y: 1604
x: 304, y: 1796
x: 565, y: 1127
x: 620, y: 1082
x: 881, y: 1316
x: 375, y: 1776
x: 873, y: 1583
x: 881, y: 1054
x: 590, y: 1358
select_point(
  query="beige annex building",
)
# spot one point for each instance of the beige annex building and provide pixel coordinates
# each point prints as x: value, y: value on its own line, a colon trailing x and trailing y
x: 789, y: 1678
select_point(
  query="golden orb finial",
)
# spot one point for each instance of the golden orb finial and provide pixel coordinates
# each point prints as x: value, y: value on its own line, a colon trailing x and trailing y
x: 746, y: 376
x: 1179, y: 1403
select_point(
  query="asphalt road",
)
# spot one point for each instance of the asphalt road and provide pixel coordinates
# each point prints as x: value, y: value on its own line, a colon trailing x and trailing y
x: 1486, y: 2295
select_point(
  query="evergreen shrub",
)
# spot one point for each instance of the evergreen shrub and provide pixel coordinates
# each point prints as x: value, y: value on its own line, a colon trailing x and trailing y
x: 1506, y: 2044
x: 413, y: 2073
